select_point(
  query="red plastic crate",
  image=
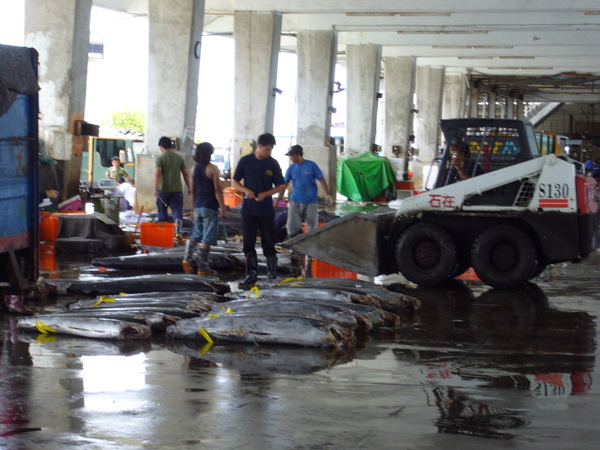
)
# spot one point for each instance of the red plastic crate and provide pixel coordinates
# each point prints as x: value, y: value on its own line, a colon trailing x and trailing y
x: 159, y: 234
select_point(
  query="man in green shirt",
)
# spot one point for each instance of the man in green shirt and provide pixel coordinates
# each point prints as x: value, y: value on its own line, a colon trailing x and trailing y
x: 168, y: 188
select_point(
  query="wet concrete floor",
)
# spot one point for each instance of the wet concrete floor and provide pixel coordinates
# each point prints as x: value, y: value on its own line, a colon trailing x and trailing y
x: 475, y: 368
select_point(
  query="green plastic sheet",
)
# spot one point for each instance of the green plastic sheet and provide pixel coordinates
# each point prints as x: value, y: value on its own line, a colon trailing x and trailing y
x: 364, y: 176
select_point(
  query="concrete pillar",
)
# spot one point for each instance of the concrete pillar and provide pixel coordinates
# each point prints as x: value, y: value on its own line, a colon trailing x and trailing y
x: 257, y: 39
x: 520, y: 110
x: 430, y: 82
x: 492, y: 105
x: 430, y: 91
x: 317, y: 52
x: 473, y: 103
x: 502, y: 106
x: 455, y: 91
x: 484, y: 108
x: 60, y: 31
x: 175, y: 29
x: 400, y: 74
x: 510, y: 108
x: 364, y: 72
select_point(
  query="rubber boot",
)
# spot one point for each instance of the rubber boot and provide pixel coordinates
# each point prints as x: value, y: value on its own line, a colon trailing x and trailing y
x: 271, y: 267
x: 251, y: 273
x: 16, y: 304
x: 188, y: 256
x: 203, y: 267
x: 178, y: 231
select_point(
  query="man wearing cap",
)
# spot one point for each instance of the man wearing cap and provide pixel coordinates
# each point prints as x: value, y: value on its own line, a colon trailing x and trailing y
x: 116, y: 171
x: 302, y: 207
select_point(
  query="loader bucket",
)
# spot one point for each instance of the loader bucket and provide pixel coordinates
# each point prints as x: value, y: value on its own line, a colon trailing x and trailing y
x: 353, y: 242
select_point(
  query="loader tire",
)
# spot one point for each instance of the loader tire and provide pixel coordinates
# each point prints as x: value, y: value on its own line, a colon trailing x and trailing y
x: 504, y: 257
x: 426, y: 254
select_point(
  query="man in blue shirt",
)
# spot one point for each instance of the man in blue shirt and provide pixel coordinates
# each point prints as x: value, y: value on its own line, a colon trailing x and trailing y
x: 302, y: 207
x: 262, y: 178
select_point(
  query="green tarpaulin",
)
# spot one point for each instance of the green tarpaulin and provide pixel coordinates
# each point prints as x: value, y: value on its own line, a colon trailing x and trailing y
x: 364, y: 176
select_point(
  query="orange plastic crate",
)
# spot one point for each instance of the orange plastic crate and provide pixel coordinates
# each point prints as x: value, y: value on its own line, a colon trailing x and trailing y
x: 232, y: 197
x: 48, y: 226
x: 321, y: 269
x: 159, y: 234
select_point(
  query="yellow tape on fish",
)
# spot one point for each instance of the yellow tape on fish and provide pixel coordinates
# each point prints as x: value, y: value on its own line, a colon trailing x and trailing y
x: 205, y: 334
x: 103, y: 300
x: 253, y: 290
x: 42, y: 328
x: 288, y: 280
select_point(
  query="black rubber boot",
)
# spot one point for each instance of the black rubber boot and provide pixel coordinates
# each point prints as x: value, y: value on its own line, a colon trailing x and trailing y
x: 251, y: 273
x: 271, y: 267
x: 203, y: 267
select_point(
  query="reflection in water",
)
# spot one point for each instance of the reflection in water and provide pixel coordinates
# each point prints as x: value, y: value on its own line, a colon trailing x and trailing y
x: 476, y: 355
x: 263, y: 359
x: 73, y: 345
x: 503, y: 339
x: 461, y: 415
x: 14, y: 384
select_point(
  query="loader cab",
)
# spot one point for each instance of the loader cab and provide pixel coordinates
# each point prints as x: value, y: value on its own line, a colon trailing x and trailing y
x: 483, y: 146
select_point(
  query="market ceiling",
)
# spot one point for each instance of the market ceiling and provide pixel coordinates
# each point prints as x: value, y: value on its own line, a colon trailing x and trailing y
x: 541, y: 50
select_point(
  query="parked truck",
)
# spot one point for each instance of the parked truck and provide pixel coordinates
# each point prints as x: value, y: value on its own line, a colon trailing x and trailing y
x: 515, y: 213
x: 19, y: 197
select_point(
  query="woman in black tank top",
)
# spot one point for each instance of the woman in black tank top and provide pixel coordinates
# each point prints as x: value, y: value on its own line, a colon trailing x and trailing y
x: 207, y: 199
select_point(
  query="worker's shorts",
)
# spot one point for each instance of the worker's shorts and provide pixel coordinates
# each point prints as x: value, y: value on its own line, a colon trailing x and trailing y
x: 206, y: 225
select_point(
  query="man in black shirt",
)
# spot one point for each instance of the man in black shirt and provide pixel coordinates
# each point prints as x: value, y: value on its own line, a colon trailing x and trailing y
x: 262, y: 179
